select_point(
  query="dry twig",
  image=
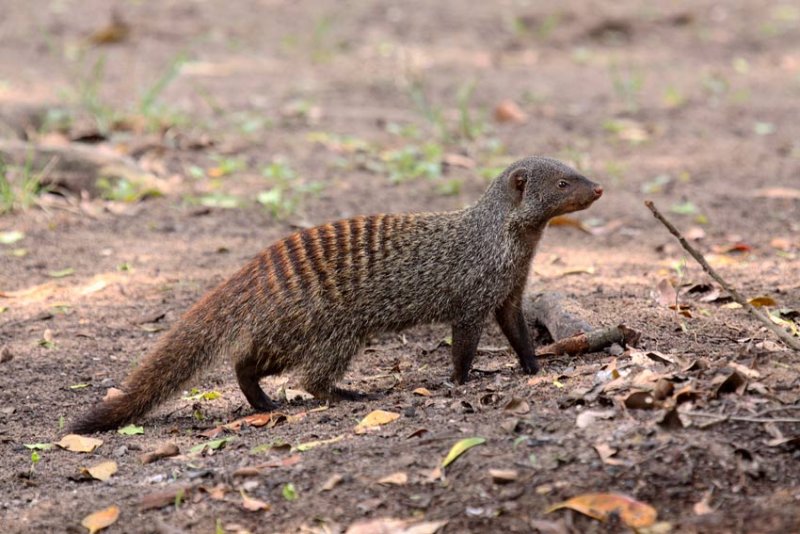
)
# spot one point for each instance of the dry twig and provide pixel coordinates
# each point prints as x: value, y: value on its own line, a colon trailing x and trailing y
x: 784, y: 336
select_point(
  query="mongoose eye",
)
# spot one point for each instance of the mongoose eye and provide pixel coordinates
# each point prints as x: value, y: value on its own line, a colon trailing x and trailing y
x: 563, y: 184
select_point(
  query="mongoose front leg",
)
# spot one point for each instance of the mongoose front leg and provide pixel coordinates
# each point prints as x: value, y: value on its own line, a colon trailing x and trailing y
x: 465, y: 345
x: 512, y: 323
x: 247, y: 374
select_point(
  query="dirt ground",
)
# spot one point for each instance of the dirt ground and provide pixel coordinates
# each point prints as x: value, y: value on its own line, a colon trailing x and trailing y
x: 255, y: 118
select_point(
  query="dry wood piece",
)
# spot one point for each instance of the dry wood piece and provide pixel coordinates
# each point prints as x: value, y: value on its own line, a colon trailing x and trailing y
x: 564, y: 320
x: 784, y: 336
x: 593, y: 341
x: 560, y: 315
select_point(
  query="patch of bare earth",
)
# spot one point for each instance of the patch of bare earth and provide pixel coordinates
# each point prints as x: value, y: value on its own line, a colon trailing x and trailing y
x: 324, y: 110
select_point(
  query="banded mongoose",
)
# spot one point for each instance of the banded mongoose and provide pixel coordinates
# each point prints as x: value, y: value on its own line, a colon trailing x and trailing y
x: 309, y: 301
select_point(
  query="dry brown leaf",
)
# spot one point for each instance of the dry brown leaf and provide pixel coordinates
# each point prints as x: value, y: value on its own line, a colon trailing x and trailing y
x: 600, y: 506
x: 395, y: 479
x: 115, y: 32
x: 640, y: 400
x: 457, y: 160
x: 425, y: 527
x: 417, y: 433
x: 695, y: 233
x: 388, y: 525
x: 734, y: 382
x: 517, y: 406
x: 509, y: 111
x: 760, y: 302
x: 376, y: 418
x: 665, y: 294
x: 424, y: 392
x: 332, y: 482
x: 76, y: 443
x: 703, y: 507
x: 253, y: 505
x: 101, y: 471
x: 571, y: 222
x: 217, y: 492
x: 778, y: 192
x: 781, y: 243
x: 606, y: 453
x: 101, y: 519
x: 503, y: 476
x: 587, y: 417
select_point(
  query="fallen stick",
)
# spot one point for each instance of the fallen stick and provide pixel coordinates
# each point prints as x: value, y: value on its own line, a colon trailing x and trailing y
x: 784, y: 336
x: 564, y: 320
x: 560, y: 315
x: 592, y: 341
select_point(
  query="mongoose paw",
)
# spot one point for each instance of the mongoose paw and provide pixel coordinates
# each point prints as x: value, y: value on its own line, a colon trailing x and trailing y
x: 460, y: 378
x: 264, y: 406
x: 530, y: 369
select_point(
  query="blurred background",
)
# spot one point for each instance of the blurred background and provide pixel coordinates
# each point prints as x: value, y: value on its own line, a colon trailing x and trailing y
x: 381, y: 106
x: 149, y: 148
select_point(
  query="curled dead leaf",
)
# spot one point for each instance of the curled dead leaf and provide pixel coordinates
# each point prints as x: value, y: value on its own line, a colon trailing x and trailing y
x: 733, y: 383
x: 503, y: 476
x: 587, y: 417
x: 601, y: 506
x: 517, y: 406
x: 101, y: 471
x: 76, y: 443
x: 395, y: 479
x: 332, y: 482
x: 509, y: 111
x: 375, y: 418
x: 253, y: 505
x: 640, y: 400
x: 101, y: 519
x: 666, y: 295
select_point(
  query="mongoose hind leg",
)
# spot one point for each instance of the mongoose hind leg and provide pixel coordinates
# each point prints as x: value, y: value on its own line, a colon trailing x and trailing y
x: 466, y: 336
x: 248, y: 375
x: 321, y: 374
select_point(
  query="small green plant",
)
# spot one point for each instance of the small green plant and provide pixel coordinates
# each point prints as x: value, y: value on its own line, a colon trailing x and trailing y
x: 20, y: 186
x: 126, y: 189
x: 226, y: 165
x: 35, y: 458
x: 148, y: 111
x: 432, y: 113
x: 673, y: 98
x: 156, y: 114
x: 628, y: 85
x: 287, y: 191
x: 469, y: 127
x: 413, y: 161
x: 289, y: 492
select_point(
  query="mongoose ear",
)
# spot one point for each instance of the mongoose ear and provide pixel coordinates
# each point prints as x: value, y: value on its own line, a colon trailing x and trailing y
x: 517, y: 181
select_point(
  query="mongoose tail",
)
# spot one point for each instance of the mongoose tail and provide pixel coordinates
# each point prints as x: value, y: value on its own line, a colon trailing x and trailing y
x: 179, y: 355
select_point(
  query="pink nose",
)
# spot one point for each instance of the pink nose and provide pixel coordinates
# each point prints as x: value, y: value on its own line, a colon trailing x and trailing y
x: 598, y: 191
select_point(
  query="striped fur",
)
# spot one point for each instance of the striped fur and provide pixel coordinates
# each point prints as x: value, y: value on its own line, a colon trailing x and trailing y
x: 309, y: 301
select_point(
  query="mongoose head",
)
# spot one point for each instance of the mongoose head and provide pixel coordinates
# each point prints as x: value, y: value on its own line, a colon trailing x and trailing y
x: 543, y: 188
